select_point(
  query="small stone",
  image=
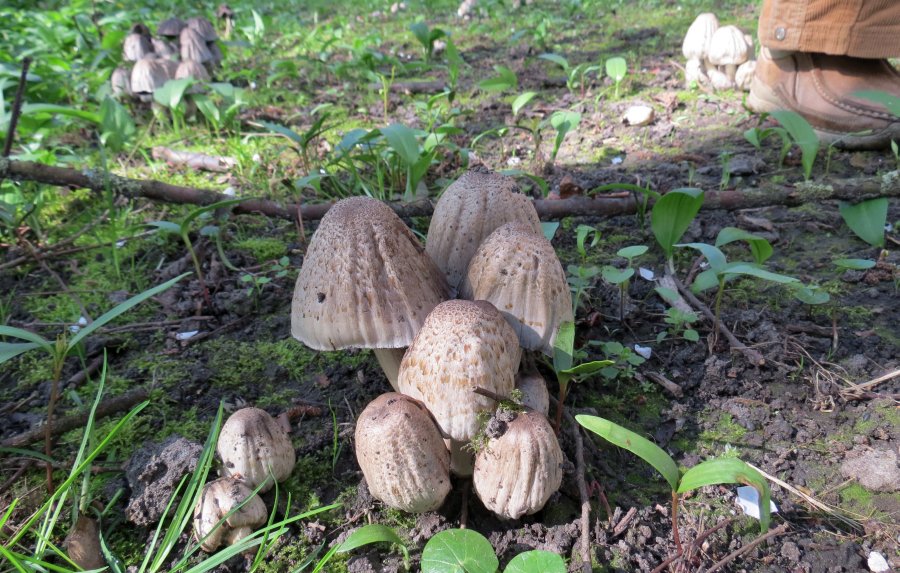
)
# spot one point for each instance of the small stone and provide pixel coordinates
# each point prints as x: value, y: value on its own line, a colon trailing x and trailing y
x: 791, y: 552
x: 154, y: 472
x: 875, y: 471
x: 639, y: 115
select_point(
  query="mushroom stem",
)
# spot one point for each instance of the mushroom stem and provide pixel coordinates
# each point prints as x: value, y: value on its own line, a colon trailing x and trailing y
x: 389, y: 359
x: 709, y: 65
x: 730, y: 70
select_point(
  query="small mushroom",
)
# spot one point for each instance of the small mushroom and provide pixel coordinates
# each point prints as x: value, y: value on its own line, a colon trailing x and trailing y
x: 203, y: 27
x: 536, y: 396
x: 520, y: 465
x: 171, y: 28
x: 697, y: 40
x: 695, y: 72
x: 120, y: 81
x: 402, y: 454
x: 192, y: 69
x: 138, y: 43
x: 250, y: 443
x: 728, y: 48
x: 148, y: 75
x: 163, y: 49
x: 193, y: 46
x: 225, y: 14
x: 719, y: 81
x: 216, y: 500
x: 743, y: 78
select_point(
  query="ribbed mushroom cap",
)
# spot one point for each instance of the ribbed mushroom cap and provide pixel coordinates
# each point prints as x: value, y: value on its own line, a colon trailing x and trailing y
x: 743, y: 78
x: 400, y: 451
x: 468, y: 211
x: 120, y: 81
x: 193, y: 46
x: 171, y: 67
x: 518, y: 271
x: 171, y: 28
x: 250, y: 442
x: 366, y: 281
x: 204, y: 27
x: 462, y: 345
x: 518, y: 470
x: 533, y: 385
x: 698, y: 37
x: 136, y: 47
x: 163, y: 49
x: 192, y: 69
x: 728, y: 48
x: 216, y: 500
x: 148, y: 75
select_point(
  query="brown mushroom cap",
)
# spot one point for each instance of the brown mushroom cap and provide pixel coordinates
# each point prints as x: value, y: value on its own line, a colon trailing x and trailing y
x: 171, y: 28
x: 366, y: 281
x: 148, y: 75
x: 193, y: 46
x: 136, y: 47
x: 163, y: 49
x: 400, y: 451
x: 224, y: 11
x: 192, y: 69
x: 216, y: 500
x: 462, y: 345
x: 519, y: 469
x: 251, y: 442
x: 468, y: 211
x: 204, y: 27
x: 518, y: 271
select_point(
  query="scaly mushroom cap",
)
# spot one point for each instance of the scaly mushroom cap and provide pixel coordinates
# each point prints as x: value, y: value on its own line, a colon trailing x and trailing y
x: 743, y: 78
x: 366, y: 281
x: 137, y: 47
x: 533, y: 385
x: 251, y: 441
x: 148, y: 75
x: 462, y: 345
x: 468, y: 211
x: 163, y: 49
x: 204, y: 27
x: 728, y: 48
x: 120, y: 81
x: 193, y: 46
x: 216, y: 500
x: 192, y: 69
x: 518, y: 271
x: 171, y: 28
x: 519, y: 467
x: 400, y: 451
x: 698, y: 37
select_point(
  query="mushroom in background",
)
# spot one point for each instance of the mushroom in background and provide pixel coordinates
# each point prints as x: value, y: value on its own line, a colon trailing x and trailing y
x: 697, y: 40
x: 366, y: 282
x: 120, y: 81
x: 468, y: 211
x: 163, y: 49
x: 148, y: 75
x: 193, y: 46
x: 138, y: 43
x: 204, y: 28
x: 728, y: 48
x: 534, y: 387
x: 517, y: 270
x: 216, y: 500
x: 171, y: 28
x: 462, y: 345
x: 192, y: 69
x: 401, y: 452
x: 743, y: 78
x: 695, y: 72
x: 225, y: 14
x: 519, y: 466
x: 250, y: 443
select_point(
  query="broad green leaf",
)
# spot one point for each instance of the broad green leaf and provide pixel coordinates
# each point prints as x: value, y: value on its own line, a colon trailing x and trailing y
x: 373, y: 533
x: 459, y: 551
x: 521, y: 100
x: 563, y: 122
x: 867, y: 219
x: 10, y: 350
x: 549, y: 229
x: 810, y: 296
x: 403, y: 141
x: 559, y: 60
x: 803, y: 134
x: 615, y: 276
x: 632, y: 252
x: 638, y: 445
x: 691, y: 335
x: 207, y: 107
x: 115, y: 123
x: 705, y: 280
x: 287, y: 132
x: 420, y: 31
x: 854, y: 264
x: 891, y: 102
x: 40, y: 108
x: 760, y: 247
x: 714, y: 256
x: 581, y: 233
x: 672, y: 215
x: 564, y: 347
x: 667, y: 294
x: 616, y: 68
x: 508, y: 75
x: 167, y: 225
x: 26, y: 335
x: 761, y: 273
x: 494, y: 84
x: 171, y: 94
x: 752, y: 135
x: 536, y: 561
x: 729, y: 470
x: 125, y: 306
x: 588, y: 367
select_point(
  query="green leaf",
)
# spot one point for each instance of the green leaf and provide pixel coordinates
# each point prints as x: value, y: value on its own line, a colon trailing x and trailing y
x: 581, y: 233
x: 563, y: 122
x: 115, y: 564
x: 854, y: 264
x: 803, y: 134
x: 638, y: 445
x: 197, y: 212
x: 714, y: 256
x: 729, y: 470
x: 616, y: 68
x: 564, y: 347
x: 403, y: 141
x: 746, y: 269
x: 118, y: 310
x: 632, y: 252
x: 208, y: 108
x: 760, y: 247
x: 810, y: 296
x: 287, y: 132
x: 691, y: 335
x: 891, y: 102
x: 459, y: 551
x: 752, y: 135
x: 549, y: 229
x: 588, y: 367
x: 28, y: 453
x: 374, y: 533
x: 46, y: 108
x: 559, y: 60
x: 26, y: 335
x: 867, y: 219
x: 171, y: 94
x: 615, y: 276
x: 420, y: 31
x: 115, y: 123
x: 541, y: 182
x: 672, y: 215
x: 705, y: 280
x: 536, y: 561
x: 667, y: 294
x: 520, y: 101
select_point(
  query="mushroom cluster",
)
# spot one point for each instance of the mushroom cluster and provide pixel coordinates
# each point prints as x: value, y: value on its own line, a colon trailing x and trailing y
x: 367, y: 282
x: 718, y: 56
x: 181, y: 49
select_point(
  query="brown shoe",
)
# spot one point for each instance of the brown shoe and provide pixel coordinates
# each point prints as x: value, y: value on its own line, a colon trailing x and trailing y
x: 817, y: 86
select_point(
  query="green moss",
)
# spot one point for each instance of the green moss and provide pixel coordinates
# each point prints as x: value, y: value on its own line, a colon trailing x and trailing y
x: 856, y: 494
x: 857, y: 316
x: 567, y: 223
x: 264, y: 248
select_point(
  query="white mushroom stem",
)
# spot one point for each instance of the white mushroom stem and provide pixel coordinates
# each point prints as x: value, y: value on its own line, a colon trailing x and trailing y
x: 709, y: 65
x: 730, y: 70
x: 389, y: 359
x: 462, y: 460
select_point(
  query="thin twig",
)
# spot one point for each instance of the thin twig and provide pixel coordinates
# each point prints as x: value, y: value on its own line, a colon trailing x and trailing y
x: 780, y: 530
x: 697, y: 542
x: 16, y: 475
x: 16, y: 109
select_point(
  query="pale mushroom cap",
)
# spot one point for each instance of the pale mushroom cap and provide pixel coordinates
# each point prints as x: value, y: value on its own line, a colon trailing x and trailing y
x: 389, y: 359
x: 120, y: 80
x: 400, y: 451
x: 533, y: 385
x: 516, y: 473
x: 694, y: 71
x: 136, y: 47
x: 468, y: 211
x: 366, y: 281
x: 728, y: 47
x: 162, y: 48
x: 171, y: 28
x: 204, y: 27
x: 719, y: 81
x: 518, y: 271
x: 148, y: 75
x: 193, y: 46
x: 251, y: 441
x: 744, y: 76
x: 216, y: 500
x: 192, y: 69
x: 698, y: 37
x: 462, y: 345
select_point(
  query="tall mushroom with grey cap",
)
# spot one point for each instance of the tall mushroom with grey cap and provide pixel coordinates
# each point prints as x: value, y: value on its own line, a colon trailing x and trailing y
x: 517, y: 270
x: 138, y: 43
x: 148, y: 75
x: 697, y: 40
x: 252, y: 444
x: 226, y: 15
x: 401, y: 452
x: 468, y: 211
x: 728, y: 48
x: 120, y: 82
x: 171, y: 28
x: 192, y: 69
x: 463, y: 345
x: 203, y: 27
x: 216, y: 500
x: 366, y: 282
x: 520, y: 465
x: 193, y: 46
x: 163, y: 49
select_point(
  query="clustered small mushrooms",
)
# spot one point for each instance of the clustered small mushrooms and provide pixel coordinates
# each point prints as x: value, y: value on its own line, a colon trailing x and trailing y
x: 718, y: 56
x: 367, y: 282
x: 158, y: 60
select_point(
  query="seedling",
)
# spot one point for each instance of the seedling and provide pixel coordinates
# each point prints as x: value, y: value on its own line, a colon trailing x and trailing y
x: 681, y: 324
x: 563, y: 361
x: 171, y: 96
x: 711, y: 472
x: 621, y: 360
x: 867, y: 219
x: 506, y: 79
x: 256, y: 282
x: 672, y: 215
x: 580, y: 278
x: 755, y: 135
x: 616, y: 68
x: 575, y: 75
x: 803, y: 134
x: 305, y: 141
x: 467, y: 551
x: 623, y: 277
x: 582, y: 232
x: 427, y: 37
x: 639, y: 204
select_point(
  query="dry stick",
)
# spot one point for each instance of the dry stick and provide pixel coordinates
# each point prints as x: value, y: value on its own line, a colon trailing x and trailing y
x: 16, y: 109
x: 54, y: 253
x: 81, y: 376
x: 697, y: 542
x: 16, y: 475
x: 780, y: 530
x: 107, y: 407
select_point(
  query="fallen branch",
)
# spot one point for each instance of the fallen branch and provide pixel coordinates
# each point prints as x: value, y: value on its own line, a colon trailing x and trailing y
x: 410, y: 88
x: 665, y: 383
x: 216, y: 163
x: 107, y: 407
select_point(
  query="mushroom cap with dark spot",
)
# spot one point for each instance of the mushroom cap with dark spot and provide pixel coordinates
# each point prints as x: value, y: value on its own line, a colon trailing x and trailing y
x: 250, y: 442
